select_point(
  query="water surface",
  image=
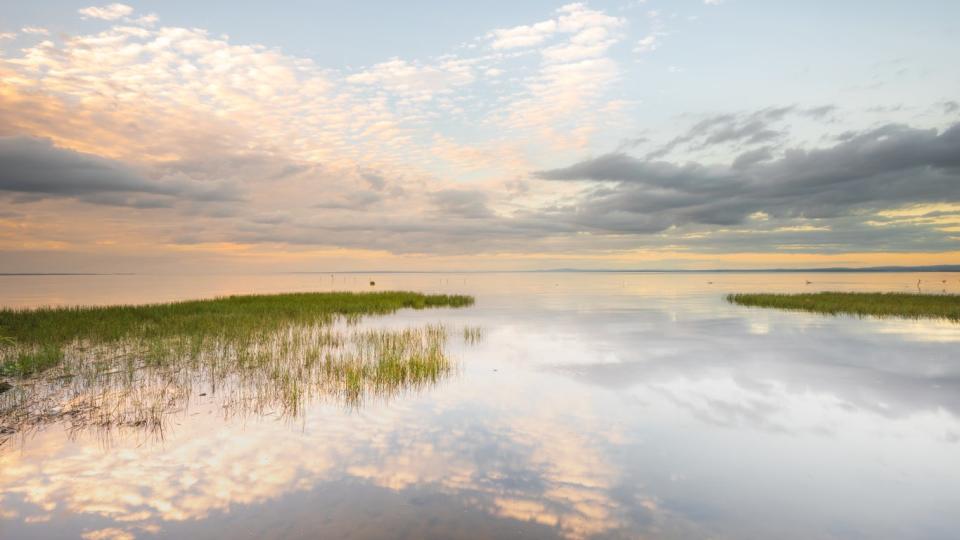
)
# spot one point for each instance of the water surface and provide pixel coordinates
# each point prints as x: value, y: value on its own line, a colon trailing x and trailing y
x: 593, y: 406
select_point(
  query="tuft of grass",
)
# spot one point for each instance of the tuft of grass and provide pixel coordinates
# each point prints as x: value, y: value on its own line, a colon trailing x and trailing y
x: 913, y: 306
x: 472, y: 335
x: 32, y: 361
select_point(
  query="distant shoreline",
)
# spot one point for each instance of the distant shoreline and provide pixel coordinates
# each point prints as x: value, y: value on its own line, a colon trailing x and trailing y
x: 833, y: 270
x: 4, y: 274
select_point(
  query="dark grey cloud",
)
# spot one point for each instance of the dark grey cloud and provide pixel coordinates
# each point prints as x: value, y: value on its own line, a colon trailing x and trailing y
x: 29, y: 165
x: 631, y: 143
x: 739, y: 130
x: 350, y: 200
x: 819, y: 200
x: 752, y: 132
x: 752, y: 157
x: 835, y: 235
x: 34, y: 169
x: 464, y: 203
x: 886, y: 167
x: 374, y: 179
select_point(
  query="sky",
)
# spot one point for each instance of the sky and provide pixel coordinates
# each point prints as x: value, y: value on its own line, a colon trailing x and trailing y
x: 179, y: 136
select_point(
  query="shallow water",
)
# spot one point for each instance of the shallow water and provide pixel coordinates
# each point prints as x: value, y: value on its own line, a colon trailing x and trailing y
x: 594, y: 405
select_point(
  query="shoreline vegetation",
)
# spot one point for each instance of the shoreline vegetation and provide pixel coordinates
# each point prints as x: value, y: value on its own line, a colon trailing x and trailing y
x: 901, y: 305
x: 122, y: 366
x: 33, y: 340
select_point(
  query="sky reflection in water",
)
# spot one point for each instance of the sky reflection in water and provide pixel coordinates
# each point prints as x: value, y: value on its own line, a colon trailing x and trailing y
x: 596, y: 405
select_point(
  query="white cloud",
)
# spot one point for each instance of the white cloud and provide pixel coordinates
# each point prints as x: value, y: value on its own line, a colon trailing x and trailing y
x: 575, y: 17
x: 652, y: 40
x: 647, y: 44
x: 109, y: 12
x: 591, y: 27
x: 36, y: 30
x: 416, y: 81
x: 522, y: 36
x: 560, y: 104
x: 147, y: 20
x: 588, y: 43
x: 7, y: 35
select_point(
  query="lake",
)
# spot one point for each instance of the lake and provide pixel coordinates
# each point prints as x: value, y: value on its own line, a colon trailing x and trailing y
x: 587, y: 405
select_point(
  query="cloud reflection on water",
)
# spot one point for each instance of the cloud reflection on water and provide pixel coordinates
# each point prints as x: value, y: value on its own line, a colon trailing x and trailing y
x: 589, y: 410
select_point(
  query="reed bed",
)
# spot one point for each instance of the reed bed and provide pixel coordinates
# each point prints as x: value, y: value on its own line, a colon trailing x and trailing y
x: 34, y: 340
x: 136, y: 366
x: 905, y: 305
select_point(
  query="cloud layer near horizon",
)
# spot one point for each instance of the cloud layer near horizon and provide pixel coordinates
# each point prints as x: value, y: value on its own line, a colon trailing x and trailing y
x: 198, y: 143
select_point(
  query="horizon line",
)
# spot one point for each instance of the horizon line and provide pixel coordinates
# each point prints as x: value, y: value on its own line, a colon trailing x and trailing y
x: 835, y: 269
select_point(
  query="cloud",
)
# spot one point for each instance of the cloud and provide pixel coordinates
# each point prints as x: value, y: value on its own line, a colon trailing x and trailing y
x: 753, y: 132
x: 416, y: 81
x: 34, y: 169
x: 522, y: 36
x: 751, y: 157
x: 36, y: 166
x: 375, y: 179
x: 739, y: 129
x: 593, y: 34
x: 350, y: 200
x: 109, y: 12
x: 245, y: 144
x: 819, y: 112
x: 890, y: 166
x: 647, y: 44
x: 462, y: 203
x: 566, y: 101
x: 590, y: 34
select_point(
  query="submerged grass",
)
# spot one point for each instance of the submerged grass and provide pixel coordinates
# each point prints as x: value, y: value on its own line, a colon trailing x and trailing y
x: 135, y: 365
x: 32, y: 361
x: 914, y: 306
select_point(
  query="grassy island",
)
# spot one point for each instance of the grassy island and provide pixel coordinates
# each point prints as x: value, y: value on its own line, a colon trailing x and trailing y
x: 913, y: 306
x: 33, y: 340
x: 106, y: 367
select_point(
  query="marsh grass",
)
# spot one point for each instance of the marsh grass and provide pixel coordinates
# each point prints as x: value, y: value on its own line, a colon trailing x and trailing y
x: 175, y: 329
x: 905, y: 305
x: 472, y: 335
x: 135, y: 366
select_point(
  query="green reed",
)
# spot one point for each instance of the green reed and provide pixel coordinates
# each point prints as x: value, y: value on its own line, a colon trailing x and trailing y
x: 906, y: 305
x: 35, y: 339
x: 134, y: 366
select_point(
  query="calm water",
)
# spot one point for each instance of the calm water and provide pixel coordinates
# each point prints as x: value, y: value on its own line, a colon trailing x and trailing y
x: 595, y: 405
